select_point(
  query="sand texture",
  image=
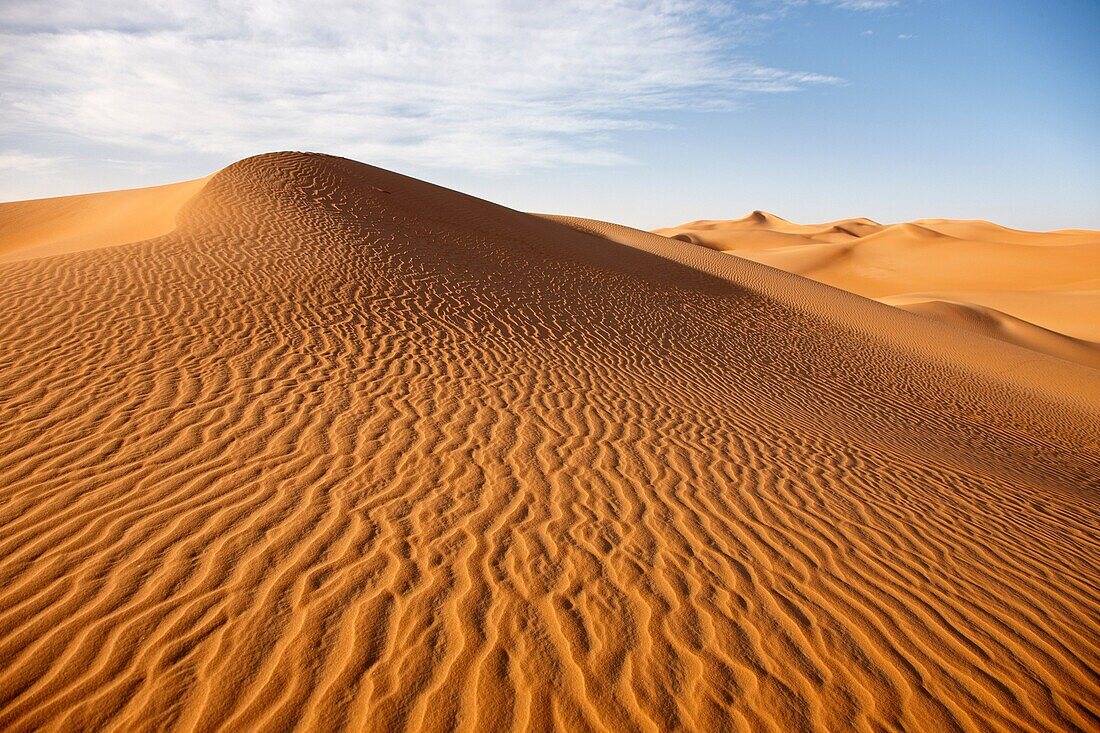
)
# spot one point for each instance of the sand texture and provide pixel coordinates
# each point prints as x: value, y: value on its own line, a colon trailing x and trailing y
x: 1039, y: 290
x: 348, y: 451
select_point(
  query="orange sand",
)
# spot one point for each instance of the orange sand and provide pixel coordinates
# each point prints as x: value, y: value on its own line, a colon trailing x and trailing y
x: 348, y: 451
x: 1039, y: 290
x: 72, y: 223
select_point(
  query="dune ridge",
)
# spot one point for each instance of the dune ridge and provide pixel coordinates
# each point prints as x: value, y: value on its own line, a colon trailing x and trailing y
x: 348, y: 450
x: 1038, y: 290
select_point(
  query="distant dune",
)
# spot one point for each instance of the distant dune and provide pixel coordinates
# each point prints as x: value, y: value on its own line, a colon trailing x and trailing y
x: 335, y: 449
x: 1039, y: 290
x: 66, y: 224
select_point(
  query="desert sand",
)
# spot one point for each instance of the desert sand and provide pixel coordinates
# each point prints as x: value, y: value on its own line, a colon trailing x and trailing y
x: 1038, y: 290
x: 343, y: 450
x: 66, y: 224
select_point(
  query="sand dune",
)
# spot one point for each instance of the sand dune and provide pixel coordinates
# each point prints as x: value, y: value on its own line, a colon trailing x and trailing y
x: 66, y: 224
x: 1032, y: 289
x: 346, y: 450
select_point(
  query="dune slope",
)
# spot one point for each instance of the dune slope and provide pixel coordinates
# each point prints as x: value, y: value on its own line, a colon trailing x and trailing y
x: 1031, y: 289
x: 44, y: 227
x: 346, y: 450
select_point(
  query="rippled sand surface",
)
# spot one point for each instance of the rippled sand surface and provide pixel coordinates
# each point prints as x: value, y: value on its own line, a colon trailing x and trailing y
x: 348, y: 451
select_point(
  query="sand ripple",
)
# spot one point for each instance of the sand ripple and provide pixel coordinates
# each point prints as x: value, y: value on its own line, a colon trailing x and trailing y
x: 349, y: 451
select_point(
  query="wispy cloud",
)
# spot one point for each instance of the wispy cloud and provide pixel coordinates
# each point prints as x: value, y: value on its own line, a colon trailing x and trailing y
x: 471, y: 84
x: 843, y: 4
x: 863, y: 4
x: 15, y: 161
x: 27, y: 175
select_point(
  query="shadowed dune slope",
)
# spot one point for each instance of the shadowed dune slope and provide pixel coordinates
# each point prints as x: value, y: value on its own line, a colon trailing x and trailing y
x: 1032, y: 289
x: 45, y: 227
x: 350, y: 451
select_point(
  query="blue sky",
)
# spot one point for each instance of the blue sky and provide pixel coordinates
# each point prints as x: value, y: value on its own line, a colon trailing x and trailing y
x: 646, y: 113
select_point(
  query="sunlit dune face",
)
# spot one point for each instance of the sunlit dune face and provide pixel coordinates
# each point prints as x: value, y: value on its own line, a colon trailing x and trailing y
x: 45, y: 227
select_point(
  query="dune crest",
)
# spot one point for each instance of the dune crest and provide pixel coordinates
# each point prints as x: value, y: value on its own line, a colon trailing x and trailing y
x: 348, y: 451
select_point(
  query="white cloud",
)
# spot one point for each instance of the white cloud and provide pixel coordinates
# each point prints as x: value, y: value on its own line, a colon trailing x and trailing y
x: 27, y: 175
x: 846, y: 4
x: 475, y: 84
x: 864, y: 4
x: 17, y: 161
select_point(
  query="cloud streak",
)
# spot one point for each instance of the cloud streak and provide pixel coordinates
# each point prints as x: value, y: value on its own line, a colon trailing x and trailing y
x: 472, y: 85
x: 864, y: 4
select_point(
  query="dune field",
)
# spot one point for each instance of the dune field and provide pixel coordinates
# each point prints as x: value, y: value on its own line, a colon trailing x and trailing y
x: 1039, y: 290
x: 310, y: 445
